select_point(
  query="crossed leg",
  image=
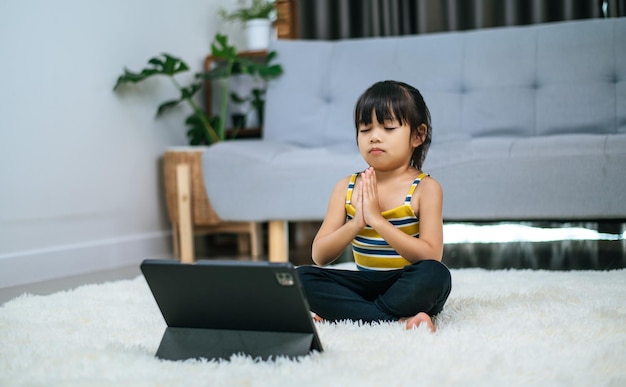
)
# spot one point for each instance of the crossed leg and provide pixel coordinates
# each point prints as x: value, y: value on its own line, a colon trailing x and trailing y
x: 410, y: 295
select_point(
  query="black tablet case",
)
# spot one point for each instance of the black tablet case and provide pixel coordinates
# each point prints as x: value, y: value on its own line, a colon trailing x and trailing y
x: 214, y: 309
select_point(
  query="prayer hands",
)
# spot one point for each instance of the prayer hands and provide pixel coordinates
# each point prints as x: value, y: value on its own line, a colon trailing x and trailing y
x: 365, y: 199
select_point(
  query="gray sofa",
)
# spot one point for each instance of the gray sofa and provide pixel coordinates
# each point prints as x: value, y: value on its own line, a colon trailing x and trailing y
x: 529, y: 123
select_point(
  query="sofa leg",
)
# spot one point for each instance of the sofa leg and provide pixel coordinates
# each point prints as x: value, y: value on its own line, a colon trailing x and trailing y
x: 278, y: 241
x: 185, y: 226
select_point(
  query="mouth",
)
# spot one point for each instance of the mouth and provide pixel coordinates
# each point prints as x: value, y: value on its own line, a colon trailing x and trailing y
x: 376, y: 151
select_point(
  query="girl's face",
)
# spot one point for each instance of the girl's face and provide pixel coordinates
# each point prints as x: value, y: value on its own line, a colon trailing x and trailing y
x: 387, y: 145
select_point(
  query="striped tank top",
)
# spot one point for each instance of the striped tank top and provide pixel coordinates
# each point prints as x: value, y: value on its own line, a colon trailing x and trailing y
x: 371, y: 252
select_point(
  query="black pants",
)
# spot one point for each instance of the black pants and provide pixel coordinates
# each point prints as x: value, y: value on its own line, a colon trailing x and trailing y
x: 376, y: 295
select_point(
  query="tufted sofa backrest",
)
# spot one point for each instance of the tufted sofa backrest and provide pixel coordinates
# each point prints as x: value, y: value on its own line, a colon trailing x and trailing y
x: 550, y: 79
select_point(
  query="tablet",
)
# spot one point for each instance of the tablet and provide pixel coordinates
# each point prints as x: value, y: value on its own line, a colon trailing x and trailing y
x: 217, y: 308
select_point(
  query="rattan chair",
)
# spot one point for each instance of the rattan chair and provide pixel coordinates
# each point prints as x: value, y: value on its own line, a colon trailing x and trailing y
x: 190, y: 211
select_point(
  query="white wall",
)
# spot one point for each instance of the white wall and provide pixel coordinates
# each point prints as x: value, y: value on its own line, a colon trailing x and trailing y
x: 80, y: 185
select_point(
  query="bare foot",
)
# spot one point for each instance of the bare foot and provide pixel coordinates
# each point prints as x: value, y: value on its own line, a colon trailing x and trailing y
x: 419, y: 319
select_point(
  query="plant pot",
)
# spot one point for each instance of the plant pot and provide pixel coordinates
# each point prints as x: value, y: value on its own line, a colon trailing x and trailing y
x: 258, y: 33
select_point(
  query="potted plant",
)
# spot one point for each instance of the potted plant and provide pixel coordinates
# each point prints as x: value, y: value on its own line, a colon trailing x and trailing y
x: 256, y: 20
x: 203, y: 130
x: 265, y: 71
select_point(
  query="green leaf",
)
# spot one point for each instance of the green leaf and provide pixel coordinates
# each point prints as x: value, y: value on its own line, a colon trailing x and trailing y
x: 173, y: 65
x: 222, y: 39
x: 259, y: 9
x: 164, y: 65
x: 198, y: 133
x: 156, y: 62
x: 130, y: 77
x: 221, y: 50
x: 237, y: 99
x: 270, y: 72
x: 195, y: 131
x: 167, y: 105
x: 188, y: 92
x: 247, y: 66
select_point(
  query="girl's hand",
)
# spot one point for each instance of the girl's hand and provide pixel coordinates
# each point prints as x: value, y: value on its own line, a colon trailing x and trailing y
x: 369, y: 197
x: 357, y: 203
x: 335, y: 234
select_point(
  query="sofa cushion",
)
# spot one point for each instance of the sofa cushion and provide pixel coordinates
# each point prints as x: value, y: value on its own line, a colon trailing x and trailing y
x: 297, y: 105
x: 549, y: 177
x: 260, y: 180
x: 620, y: 75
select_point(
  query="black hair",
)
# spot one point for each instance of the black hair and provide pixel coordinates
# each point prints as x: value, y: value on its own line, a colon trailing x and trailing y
x: 390, y: 100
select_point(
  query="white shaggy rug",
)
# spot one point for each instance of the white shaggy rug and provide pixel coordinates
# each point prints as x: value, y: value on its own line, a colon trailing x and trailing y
x: 499, y: 328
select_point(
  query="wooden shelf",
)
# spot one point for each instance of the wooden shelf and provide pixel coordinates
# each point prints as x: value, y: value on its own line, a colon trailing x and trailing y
x: 287, y: 21
x: 286, y: 28
x: 244, y: 133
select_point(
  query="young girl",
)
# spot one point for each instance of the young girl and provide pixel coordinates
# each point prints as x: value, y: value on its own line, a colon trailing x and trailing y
x: 391, y: 213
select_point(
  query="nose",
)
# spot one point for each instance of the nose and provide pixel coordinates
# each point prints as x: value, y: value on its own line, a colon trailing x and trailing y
x: 375, y: 135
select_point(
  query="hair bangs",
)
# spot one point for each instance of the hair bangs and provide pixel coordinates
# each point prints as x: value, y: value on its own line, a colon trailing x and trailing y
x: 385, y: 102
